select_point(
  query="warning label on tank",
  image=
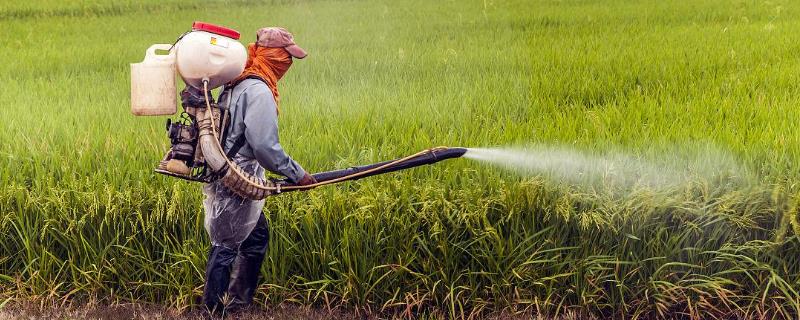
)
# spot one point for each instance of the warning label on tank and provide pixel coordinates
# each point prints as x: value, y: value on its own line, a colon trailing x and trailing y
x: 219, y: 42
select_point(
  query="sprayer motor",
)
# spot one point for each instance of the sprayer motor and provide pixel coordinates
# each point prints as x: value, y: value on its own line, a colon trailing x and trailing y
x: 183, y: 136
x: 185, y: 159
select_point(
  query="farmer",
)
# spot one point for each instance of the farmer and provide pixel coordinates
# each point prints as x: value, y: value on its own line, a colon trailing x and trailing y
x: 238, y: 230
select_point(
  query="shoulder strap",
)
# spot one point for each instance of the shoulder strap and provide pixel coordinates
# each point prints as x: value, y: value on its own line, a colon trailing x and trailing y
x: 252, y: 76
x: 227, y: 113
x: 240, y: 141
x: 237, y: 145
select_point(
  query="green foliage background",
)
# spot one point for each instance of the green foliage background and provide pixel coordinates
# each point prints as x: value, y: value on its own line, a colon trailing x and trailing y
x: 83, y: 216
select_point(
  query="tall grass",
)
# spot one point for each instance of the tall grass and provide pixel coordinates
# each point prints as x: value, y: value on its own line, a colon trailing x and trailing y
x: 84, y: 217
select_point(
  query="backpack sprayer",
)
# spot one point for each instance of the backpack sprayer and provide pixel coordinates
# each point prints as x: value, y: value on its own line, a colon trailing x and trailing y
x: 208, y: 57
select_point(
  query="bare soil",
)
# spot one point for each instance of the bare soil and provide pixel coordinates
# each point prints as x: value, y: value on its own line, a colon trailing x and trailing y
x: 31, y: 310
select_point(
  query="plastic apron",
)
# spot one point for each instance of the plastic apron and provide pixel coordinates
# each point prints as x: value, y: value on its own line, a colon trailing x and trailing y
x: 229, y: 218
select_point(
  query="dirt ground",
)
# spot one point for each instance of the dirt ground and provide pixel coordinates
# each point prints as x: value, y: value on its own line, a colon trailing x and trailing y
x: 31, y: 311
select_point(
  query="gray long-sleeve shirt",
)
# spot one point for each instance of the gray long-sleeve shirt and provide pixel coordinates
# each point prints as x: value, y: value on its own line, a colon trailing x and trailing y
x: 254, y: 114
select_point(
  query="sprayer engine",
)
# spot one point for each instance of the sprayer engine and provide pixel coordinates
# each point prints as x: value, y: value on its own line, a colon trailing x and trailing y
x: 183, y: 137
x: 184, y: 159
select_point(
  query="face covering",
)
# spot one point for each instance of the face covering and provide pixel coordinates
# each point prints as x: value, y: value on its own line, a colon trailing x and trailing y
x: 269, y: 64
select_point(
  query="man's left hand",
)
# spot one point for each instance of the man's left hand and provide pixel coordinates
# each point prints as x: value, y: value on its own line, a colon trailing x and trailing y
x: 307, y: 180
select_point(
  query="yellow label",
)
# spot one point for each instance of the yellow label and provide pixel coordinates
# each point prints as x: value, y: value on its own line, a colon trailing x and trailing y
x: 214, y: 41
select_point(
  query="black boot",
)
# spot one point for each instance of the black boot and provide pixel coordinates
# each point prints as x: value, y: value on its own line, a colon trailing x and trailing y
x: 218, y: 272
x: 247, y: 267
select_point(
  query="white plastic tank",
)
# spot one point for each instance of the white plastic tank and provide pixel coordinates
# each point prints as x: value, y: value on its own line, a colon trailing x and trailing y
x: 210, y: 52
x: 153, y: 91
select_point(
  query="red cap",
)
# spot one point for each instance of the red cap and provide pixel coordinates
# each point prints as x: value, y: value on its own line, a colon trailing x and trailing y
x: 215, y: 29
x: 274, y: 37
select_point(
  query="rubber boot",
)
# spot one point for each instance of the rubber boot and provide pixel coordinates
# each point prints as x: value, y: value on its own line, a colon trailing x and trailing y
x: 218, y: 273
x: 247, y: 266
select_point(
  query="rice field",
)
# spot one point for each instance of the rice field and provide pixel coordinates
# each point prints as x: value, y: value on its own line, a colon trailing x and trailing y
x: 83, y: 217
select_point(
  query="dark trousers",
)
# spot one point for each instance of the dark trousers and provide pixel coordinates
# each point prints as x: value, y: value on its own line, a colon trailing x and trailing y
x: 235, y: 272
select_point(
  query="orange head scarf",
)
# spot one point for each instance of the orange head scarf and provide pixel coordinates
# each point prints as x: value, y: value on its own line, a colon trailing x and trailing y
x: 269, y: 64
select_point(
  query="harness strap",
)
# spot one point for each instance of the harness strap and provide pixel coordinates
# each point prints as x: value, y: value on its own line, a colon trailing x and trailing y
x: 237, y: 145
x: 241, y: 140
x: 227, y: 112
x: 252, y: 76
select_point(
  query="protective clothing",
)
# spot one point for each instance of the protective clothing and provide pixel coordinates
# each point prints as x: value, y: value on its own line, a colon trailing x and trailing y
x: 267, y: 64
x: 276, y: 37
x: 238, y: 230
x: 230, y: 218
x: 244, y: 265
x: 254, y: 116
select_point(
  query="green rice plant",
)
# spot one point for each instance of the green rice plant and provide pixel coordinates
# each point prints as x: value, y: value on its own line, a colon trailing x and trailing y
x: 84, y: 218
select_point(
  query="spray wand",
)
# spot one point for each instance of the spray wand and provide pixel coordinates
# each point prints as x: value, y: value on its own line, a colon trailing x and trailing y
x: 247, y: 186
x: 425, y: 157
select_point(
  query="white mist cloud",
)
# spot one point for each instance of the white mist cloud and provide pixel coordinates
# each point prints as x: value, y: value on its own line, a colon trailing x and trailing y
x: 615, y: 170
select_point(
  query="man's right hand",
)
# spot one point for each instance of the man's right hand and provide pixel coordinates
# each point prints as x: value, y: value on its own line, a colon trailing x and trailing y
x: 307, y: 180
